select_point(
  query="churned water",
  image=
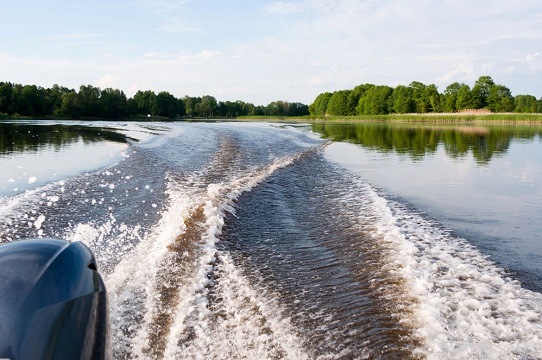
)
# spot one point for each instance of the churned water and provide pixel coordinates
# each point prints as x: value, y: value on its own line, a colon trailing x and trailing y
x: 252, y: 241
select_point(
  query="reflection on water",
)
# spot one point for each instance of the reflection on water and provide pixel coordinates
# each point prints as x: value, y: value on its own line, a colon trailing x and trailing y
x: 25, y: 137
x: 36, y: 153
x: 417, y: 140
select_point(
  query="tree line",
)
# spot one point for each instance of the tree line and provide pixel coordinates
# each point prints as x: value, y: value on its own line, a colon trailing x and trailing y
x: 369, y: 99
x: 93, y: 102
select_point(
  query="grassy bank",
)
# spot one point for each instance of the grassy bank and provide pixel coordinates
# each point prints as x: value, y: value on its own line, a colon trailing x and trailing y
x: 430, y: 118
x: 451, y: 117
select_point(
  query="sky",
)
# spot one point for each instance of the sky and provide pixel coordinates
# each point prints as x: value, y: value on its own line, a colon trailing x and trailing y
x: 262, y: 51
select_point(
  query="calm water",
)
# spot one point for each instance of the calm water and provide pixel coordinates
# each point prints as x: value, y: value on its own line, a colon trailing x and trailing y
x: 255, y: 241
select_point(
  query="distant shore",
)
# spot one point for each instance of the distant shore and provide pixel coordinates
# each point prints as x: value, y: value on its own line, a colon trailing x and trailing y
x: 463, y: 117
x: 427, y: 117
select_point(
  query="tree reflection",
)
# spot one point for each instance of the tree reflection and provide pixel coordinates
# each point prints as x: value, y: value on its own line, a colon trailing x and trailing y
x: 16, y: 138
x: 417, y: 140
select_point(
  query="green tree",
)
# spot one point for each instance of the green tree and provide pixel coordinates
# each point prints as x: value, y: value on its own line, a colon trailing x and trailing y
x: 319, y: 107
x: 131, y: 107
x: 525, y: 104
x: 421, y: 105
x: 298, y: 109
x: 112, y: 104
x: 480, y: 92
x: 168, y: 105
x: 190, y: 105
x: 53, y: 99
x: 88, y: 98
x: 6, y: 98
x: 432, y: 99
x: 146, y: 102
x: 450, y: 97
x: 337, y: 104
x: 500, y: 99
x: 353, y: 98
x: 71, y: 106
x: 402, y: 102
x: 464, y: 97
x: 208, y: 106
x: 375, y: 101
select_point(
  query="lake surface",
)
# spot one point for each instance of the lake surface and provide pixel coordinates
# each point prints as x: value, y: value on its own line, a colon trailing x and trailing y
x: 483, y: 182
x: 234, y: 240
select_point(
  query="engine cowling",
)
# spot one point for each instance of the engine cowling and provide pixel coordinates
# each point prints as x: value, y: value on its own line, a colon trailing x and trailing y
x: 53, y: 302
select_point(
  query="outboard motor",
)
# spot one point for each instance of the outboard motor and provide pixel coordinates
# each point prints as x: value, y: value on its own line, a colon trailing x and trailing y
x: 53, y: 302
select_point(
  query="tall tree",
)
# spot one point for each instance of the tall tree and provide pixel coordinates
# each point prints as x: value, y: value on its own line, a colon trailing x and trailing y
x: 464, y: 97
x: 167, y: 105
x: 432, y: 99
x: 319, y: 107
x: 112, y: 104
x: 208, y: 105
x: 146, y: 102
x: 480, y: 91
x: 402, y: 102
x: 71, y: 106
x: 421, y: 104
x: 353, y: 98
x: 337, y: 104
x: 500, y: 99
x: 6, y: 98
x: 525, y: 104
x: 375, y: 101
x: 88, y: 98
x: 450, y: 97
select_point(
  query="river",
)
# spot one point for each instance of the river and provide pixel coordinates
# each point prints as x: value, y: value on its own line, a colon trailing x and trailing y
x: 266, y: 241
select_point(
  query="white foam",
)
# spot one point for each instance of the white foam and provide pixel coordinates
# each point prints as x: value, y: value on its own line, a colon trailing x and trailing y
x: 468, y: 307
x: 39, y: 221
x: 133, y: 288
x: 238, y: 330
x: 132, y: 284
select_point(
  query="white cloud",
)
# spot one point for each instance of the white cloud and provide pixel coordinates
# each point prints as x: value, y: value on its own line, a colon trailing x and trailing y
x: 180, y: 58
x: 75, y: 36
x: 164, y: 5
x: 282, y: 7
x: 177, y: 25
x: 240, y: 50
x: 108, y: 81
x: 531, y: 57
x: 465, y: 72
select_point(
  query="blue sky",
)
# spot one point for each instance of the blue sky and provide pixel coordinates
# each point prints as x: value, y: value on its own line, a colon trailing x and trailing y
x: 262, y: 51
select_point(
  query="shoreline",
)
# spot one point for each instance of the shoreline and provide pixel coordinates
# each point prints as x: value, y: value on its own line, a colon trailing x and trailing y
x: 456, y: 118
x: 461, y: 118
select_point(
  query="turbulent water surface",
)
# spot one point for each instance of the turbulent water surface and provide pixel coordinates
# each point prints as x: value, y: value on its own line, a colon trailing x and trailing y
x: 229, y: 240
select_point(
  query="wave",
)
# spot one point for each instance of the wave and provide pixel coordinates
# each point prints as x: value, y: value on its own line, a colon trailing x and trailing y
x: 468, y: 307
x: 160, y: 293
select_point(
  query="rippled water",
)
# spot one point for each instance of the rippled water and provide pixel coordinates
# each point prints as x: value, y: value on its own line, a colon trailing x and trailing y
x: 228, y: 240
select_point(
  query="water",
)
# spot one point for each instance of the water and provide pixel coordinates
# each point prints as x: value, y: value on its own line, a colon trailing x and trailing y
x: 254, y: 241
x: 484, y: 182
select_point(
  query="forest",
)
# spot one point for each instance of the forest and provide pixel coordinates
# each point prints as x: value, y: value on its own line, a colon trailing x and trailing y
x: 91, y: 102
x: 369, y: 99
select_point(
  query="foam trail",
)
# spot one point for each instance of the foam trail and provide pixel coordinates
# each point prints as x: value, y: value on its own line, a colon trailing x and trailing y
x: 468, y: 307
x: 132, y: 284
x: 141, y: 318
x: 244, y: 323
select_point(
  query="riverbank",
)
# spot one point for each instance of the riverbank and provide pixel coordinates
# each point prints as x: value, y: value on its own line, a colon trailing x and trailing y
x: 441, y: 117
x: 429, y: 118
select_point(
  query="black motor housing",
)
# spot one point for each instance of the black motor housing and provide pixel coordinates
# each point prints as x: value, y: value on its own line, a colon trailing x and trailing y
x: 53, y: 302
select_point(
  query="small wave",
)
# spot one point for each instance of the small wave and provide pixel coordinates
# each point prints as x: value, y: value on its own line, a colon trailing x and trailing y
x: 161, y: 292
x: 469, y: 308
